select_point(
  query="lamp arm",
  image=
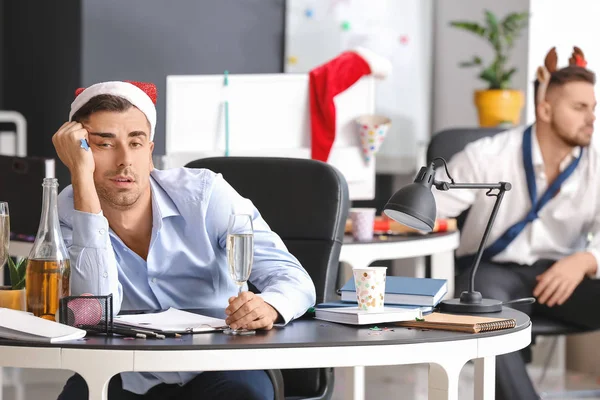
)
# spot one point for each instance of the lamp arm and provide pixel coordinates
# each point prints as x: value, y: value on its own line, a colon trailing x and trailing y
x: 443, y: 186
x: 502, y: 187
x: 488, y: 228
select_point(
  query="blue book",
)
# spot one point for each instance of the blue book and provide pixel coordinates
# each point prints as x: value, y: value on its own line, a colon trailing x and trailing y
x: 404, y: 290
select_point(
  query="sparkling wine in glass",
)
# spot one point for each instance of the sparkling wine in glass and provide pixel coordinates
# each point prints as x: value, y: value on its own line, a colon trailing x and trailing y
x: 240, y: 254
x: 4, y: 233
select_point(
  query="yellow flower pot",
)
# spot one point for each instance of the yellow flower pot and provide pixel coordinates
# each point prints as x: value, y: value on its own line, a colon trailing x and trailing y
x: 14, y: 299
x: 497, y: 107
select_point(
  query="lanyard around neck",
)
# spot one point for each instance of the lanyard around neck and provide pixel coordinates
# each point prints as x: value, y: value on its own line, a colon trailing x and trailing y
x: 512, y: 232
x: 536, y: 205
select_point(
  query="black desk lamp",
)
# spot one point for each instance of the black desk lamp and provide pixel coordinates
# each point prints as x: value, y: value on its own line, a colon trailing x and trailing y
x: 414, y: 206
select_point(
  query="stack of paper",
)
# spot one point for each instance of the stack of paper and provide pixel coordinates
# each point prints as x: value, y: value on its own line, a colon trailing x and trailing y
x: 346, y: 304
x: 354, y: 316
x: 173, y: 321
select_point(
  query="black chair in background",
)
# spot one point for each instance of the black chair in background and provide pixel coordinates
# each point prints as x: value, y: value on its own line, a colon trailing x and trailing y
x: 449, y: 142
x: 306, y: 203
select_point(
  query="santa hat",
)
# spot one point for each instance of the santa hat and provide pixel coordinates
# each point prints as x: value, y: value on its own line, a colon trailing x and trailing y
x: 329, y: 80
x: 141, y: 94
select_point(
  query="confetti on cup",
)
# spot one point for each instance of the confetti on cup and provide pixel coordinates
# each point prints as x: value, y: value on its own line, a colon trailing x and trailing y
x: 370, y: 288
x: 372, y: 130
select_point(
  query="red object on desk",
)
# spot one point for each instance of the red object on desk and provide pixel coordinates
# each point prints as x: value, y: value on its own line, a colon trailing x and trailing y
x: 382, y: 225
x: 385, y: 224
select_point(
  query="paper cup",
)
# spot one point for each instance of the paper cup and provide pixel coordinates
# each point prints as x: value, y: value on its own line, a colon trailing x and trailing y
x: 372, y: 130
x: 363, y: 221
x: 370, y: 288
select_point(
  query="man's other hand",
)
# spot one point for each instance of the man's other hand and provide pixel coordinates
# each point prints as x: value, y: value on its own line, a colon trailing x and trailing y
x: 557, y: 283
x: 250, y: 311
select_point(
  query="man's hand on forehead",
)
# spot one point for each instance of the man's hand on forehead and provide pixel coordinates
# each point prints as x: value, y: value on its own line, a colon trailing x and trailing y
x: 72, y: 147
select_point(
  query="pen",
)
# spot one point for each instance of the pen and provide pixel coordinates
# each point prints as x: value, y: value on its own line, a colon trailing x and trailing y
x: 158, y: 334
x: 170, y: 334
x: 128, y: 333
x: 149, y: 333
x: 118, y: 330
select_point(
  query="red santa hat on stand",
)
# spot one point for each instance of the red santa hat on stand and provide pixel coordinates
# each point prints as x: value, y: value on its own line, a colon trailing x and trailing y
x: 141, y: 94
x: 329, y: 80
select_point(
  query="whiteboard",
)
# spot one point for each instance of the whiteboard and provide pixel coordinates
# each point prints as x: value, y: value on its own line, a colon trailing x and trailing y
x: 399, y: 30
x: 268, y: 117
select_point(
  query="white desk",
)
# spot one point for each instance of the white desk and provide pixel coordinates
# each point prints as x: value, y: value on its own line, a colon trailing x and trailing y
x: 302, y: 344
x: 439, y: 247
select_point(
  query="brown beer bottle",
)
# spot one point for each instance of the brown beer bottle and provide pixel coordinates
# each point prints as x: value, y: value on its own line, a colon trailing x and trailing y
x: 47, y: 279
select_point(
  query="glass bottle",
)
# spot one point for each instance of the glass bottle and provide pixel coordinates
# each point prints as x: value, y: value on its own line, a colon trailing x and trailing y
x: 47, y: 279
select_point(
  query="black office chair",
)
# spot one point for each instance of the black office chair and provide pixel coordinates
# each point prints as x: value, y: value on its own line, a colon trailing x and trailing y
x: 449, y: 142
x: 306, y: 203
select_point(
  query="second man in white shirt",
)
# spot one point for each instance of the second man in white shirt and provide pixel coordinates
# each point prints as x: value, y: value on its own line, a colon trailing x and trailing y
x: 539, y: 243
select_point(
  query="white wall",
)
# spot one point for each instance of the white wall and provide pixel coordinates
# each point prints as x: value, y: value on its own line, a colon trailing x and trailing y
x: 407, y: 99
x: 454, y: 86
x: 554, y: 24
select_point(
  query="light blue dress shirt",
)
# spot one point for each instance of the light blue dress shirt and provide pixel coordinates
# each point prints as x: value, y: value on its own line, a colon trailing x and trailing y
x: 186, y: 266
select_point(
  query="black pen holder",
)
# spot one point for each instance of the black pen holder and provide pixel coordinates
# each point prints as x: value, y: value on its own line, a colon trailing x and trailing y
x: 91, y: 313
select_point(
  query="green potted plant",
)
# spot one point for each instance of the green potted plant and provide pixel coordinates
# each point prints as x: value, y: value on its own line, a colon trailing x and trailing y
x: 13, y: 296
x: 499, y: 103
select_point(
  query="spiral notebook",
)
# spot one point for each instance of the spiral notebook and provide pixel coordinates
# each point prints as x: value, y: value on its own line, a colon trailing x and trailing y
x: 460, y: 323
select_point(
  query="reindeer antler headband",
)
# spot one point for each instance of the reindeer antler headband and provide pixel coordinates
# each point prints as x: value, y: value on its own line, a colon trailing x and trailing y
x: 545, y: 71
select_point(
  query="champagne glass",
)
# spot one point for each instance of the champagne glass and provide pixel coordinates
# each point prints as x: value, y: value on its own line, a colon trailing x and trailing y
x: 4, y: 233
x: 240, y: 253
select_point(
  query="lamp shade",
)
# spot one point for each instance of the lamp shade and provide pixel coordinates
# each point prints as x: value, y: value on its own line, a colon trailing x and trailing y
x: 413, y: 206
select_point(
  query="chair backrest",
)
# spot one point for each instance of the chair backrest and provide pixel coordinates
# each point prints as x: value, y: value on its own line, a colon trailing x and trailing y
x: 448, y: 142
x: 304, y: 201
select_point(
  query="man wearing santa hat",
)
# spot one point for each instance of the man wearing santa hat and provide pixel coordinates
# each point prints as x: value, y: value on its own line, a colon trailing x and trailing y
x: 156, y: 239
